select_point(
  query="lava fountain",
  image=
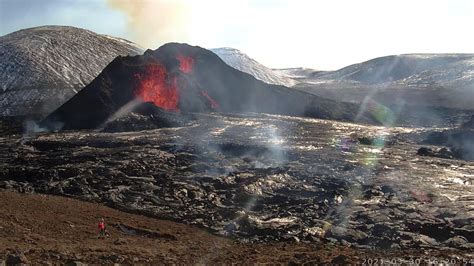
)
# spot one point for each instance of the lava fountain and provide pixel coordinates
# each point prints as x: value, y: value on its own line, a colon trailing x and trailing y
x: 212, y: 102
x: 160, y: 87
x: 157, y: 86
x: 186, y: 63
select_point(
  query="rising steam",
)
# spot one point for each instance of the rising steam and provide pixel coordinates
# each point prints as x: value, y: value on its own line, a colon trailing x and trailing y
x: 154, y: 22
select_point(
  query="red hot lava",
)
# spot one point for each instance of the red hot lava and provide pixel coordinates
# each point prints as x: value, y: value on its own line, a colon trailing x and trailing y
x: 156, y: 86
x: 186, y: 63
x: 161, y: 88
x: 214, y: 104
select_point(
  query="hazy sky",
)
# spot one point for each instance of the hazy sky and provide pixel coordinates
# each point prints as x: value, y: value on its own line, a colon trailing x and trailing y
x: 278, y: 33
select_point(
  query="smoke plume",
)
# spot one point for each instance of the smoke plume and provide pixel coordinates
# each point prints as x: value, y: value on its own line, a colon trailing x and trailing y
x: 154, y: 22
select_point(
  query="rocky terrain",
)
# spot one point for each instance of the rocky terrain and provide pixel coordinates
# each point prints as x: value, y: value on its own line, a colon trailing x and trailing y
x: 42, y: 67
x: 454, y: 142
x: 262, y: 178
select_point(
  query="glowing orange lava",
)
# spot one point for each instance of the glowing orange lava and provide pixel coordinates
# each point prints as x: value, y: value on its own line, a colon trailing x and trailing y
x: 214, y: 104
x: 156, y: 86
x: 186, y: 63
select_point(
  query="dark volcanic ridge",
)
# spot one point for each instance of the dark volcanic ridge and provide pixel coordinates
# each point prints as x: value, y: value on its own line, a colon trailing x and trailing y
x: 181, y: 78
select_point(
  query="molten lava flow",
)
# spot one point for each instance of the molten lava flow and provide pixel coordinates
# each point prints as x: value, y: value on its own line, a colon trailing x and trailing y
x: 214, y: 104
x: 155, y: 85
x: 186, y: 63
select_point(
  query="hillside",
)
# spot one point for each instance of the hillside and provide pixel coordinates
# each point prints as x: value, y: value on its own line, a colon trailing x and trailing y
x: 42, y: 67
x: 419, y: 69
x: 434, y: 80
x: 244, y: 63
x: 54, y: 225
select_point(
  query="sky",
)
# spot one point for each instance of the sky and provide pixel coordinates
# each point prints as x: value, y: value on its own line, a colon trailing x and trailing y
x: 324, y: 35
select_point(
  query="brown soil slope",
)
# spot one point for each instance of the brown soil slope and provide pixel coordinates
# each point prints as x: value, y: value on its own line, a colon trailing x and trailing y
x: 56, y: 229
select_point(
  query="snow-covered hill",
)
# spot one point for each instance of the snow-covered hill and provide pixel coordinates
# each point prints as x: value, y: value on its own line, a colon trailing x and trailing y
x: 439, y: 80
x: 300, y: 74
x: 42, y: 67
x: 411, y: 69
x: 244, y: 63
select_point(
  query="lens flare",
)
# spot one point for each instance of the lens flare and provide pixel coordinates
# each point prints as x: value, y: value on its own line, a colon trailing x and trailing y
x: 378, y: 111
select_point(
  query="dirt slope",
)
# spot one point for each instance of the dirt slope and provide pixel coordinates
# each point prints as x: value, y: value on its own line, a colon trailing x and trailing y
x: 55, y: 229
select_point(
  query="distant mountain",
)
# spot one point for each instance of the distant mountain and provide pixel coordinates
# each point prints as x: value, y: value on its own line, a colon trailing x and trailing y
x: 179, y: 78
x: 415, y: 69
x: 439, y: 80
x: 299, y: 74
x: 244, y: 63
x: 42, y: 67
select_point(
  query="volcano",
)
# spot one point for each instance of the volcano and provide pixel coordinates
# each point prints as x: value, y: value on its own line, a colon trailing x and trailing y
x: 181, y: 78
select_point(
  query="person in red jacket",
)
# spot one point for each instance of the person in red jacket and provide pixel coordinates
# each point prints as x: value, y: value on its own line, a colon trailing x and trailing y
x: 102, y: 230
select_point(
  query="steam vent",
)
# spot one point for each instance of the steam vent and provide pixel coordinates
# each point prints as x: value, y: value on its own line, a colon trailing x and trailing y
x: 179, y: 78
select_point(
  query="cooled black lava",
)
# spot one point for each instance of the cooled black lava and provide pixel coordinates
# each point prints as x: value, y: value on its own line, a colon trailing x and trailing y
x: 261, y: 178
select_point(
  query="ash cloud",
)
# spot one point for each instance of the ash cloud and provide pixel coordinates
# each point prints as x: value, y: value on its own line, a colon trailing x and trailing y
x: 154, y: 22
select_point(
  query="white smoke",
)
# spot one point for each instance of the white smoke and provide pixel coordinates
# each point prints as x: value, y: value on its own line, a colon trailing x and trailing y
x: 155, y: 22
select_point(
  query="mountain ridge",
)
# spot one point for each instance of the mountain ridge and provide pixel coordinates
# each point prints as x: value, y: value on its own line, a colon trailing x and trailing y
x: 42, y: 67
x: 241, y: 61
x: 437, y: 80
